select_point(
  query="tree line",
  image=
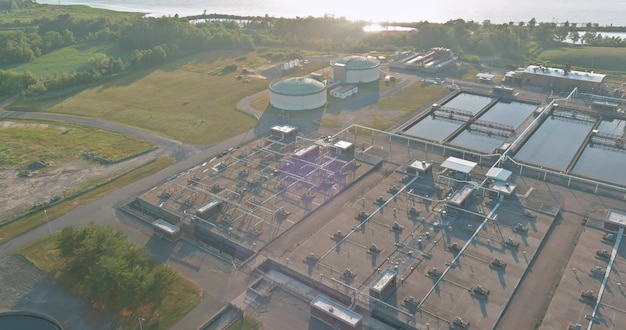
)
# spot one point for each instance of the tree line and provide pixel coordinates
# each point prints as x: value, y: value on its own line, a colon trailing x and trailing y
x: 151, y: 41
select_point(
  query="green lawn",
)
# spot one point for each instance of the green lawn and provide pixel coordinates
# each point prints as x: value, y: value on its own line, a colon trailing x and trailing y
x: 70, y: 59
x: 34, y: 220
x: 593, y: 58
x: 25, y: 141
x: 190, y: 100
x: 182, y: 298
x: 412, y: 97
x: 50, y: 11
x: 389, y: 110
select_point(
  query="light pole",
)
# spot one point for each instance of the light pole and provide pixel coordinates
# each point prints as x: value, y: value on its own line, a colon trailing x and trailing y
x: 47, y: 221
x: 141, y: 319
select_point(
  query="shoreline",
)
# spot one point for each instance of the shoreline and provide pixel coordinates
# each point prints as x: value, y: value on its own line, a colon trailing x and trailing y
x: 276, y: 9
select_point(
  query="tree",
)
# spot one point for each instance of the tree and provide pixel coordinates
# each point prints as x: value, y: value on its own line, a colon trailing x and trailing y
x: 112, y: 271
x: 52, y: 40
x: 157, y: 284
x: 575, y: 36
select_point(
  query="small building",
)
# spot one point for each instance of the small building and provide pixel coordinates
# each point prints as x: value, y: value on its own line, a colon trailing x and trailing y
x: 419, y: 167
x: 344, y: 148
x: 307, y: 153
x: 502, y: 91
x: 343, y: 92
x: 485, y: 78
x: 209, y: 209
x: 461, y: 168
x: 335, y: 314
x: 384, y: 284
x: 460, y: 197
x: 499, y: 184
x: 284, y: 132
x: 614, y: 220
x: 604, y: 106
x: 167, y: 230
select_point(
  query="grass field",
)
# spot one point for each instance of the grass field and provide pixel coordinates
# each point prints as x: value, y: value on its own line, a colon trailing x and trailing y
x: 412, y: 97
x: 49, y: 11
x: 191, y: 100
x: 182, y: 298
x: 593, y: 58
x: 27, y: 223
x: 25, y: 141
x: 70, y: 59
x: 388, y: 110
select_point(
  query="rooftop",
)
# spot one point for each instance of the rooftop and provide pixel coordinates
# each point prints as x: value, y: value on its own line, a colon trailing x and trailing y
x: 616, y: 217
x: 166, y: 226
x: 383, y: 279
x: 458, y: 164
x: 283, y: 129
x: 498, y: 174
x: 357, y: 62
x: 297, y: 86
x: 341, y: 144
x: 421, y: 165
x: 336, y: 310
x: 559, y: 73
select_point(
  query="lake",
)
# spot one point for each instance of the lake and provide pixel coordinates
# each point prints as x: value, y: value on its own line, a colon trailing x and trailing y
x: 603, y: 12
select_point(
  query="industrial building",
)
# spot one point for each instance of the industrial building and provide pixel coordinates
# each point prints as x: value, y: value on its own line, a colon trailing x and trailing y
x: 373, y: 229
x: 298, y: 93
x: 355, y: 69
x: 555, y: 79
x: 343, y: 92
x: 434, y: 60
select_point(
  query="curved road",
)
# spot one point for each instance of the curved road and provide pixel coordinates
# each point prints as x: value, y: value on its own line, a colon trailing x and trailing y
x: 177, y: 149
x: 104, y: 210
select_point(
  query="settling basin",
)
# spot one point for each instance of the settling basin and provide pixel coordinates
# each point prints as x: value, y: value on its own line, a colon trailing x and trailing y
x: 555, y: 142
x: 468, y: 102
x: 511, y: 114
x: 437, y: 128
x: 604, y: 160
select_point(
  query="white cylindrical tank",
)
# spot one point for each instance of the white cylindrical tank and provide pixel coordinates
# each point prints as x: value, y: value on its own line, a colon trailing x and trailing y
x: 298, y: 93
x: 356, y: 69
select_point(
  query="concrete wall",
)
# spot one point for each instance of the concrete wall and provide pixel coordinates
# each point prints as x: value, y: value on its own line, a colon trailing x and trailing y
x: 362, y: 76
x: 155, y: 211
x: 298, y: 102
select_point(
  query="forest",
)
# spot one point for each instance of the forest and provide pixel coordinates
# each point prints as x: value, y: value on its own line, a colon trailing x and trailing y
x: 143, y: 42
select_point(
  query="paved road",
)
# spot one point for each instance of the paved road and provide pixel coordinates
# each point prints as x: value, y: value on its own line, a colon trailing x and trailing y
x: 195, y: 264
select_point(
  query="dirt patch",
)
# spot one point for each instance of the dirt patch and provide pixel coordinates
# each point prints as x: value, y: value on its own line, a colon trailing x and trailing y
x: 11, y: 124
x: 60, y: 180
x: 25, y: 287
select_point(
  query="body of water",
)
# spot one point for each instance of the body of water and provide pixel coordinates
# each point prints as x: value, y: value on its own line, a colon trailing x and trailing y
x: 603, y: 12
x: 468, y: 102
x: 506, y: 113
x: 604, y: 163
x: 435, y: 129
x: 555, y: 143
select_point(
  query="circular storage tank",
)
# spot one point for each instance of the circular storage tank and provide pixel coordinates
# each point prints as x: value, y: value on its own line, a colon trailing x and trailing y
x: 299, y: 93
x: 356, y: 69
x: 28, y: 320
